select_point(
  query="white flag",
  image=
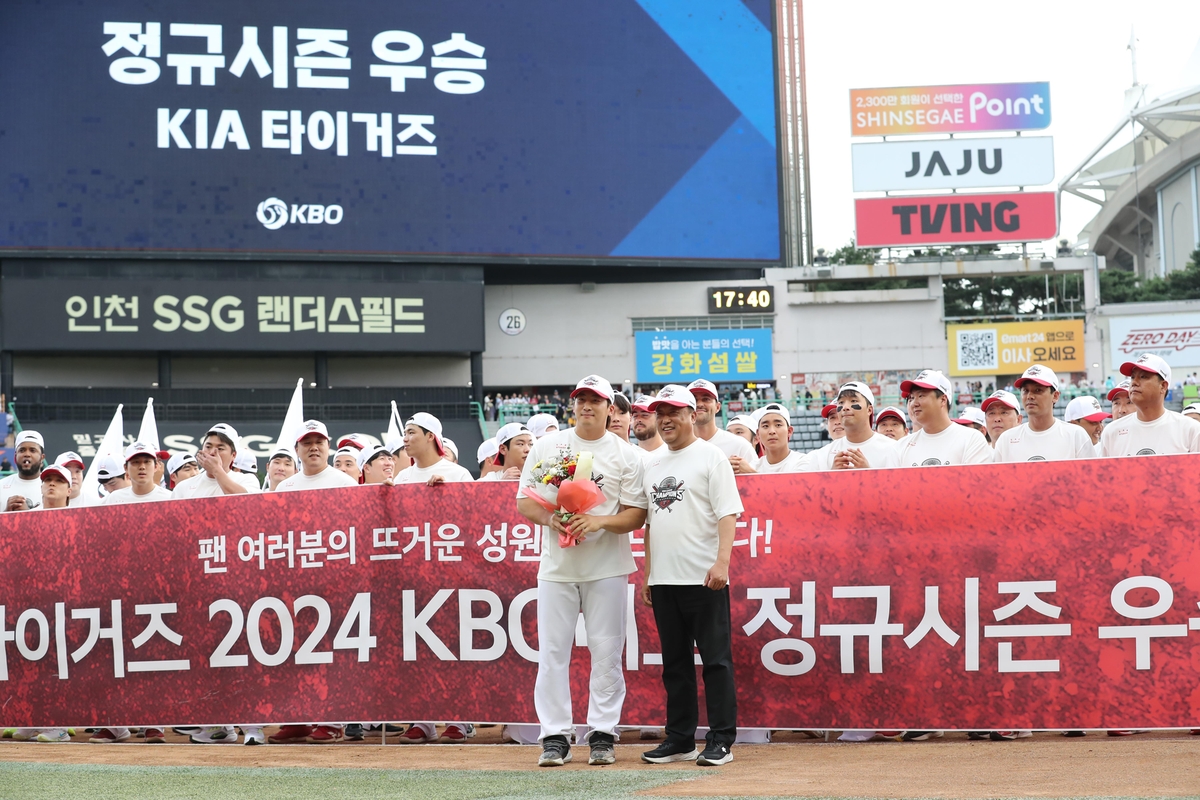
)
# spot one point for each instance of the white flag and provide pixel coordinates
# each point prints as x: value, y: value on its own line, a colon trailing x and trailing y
x: 293, y: 421
x: 148, y: 434
x: 395, y: 432
x: 113, y: 445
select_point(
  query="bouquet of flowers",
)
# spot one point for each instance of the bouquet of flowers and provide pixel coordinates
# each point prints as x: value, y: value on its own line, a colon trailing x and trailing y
x: 563, y: 485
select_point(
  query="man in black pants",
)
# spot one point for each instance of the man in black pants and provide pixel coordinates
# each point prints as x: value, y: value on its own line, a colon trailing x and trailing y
x: 694, y: 506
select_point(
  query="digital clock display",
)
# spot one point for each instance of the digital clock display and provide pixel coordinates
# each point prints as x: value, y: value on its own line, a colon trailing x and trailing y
x: 740, y: 299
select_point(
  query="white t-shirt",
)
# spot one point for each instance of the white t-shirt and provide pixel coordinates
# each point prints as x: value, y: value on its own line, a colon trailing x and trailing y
x: 880, y: 452
x: 203, y: 486
x: 450, y: 472
x: 645, y: 454
x: 688, y: 492
x: 126, y: 495
x: 14, y: 485
x: 1061, y: 442
x: 732, y: 445
x: 956, y: 445
x: 1170, y: 434
x: 493, y: 476
x: 617, y: 470
x: 794, y: 462
x: 328, y: 478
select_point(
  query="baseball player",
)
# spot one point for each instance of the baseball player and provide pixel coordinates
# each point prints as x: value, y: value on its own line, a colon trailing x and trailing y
x: 423, y: 443
x: 708, y: 405
x: 695, y: 505
x: 140, y: 461
x: 1119, y: 397
x: 891, y: 423
x: 645, y: 427
x: 1154, y: 429
x: 1042, y: 438
x: 1085, y: 411
x: 1002, y: 410
x: 485, y: 455
x: 939, y: 442
x: 216, y: 459
x: 974, y: 418
x: 73, y: 463
x: 861, y: 447
x: 513, y: 442
x: 180, y: 467
x: 280, y: 466
x: 377, y: 466
x: 774, y: 436
x: 312, y: 449
x: 591, y: 576
x: 346, y: 460
x: 56, y: 487
x: 23, y: 490
x: 542, y: 424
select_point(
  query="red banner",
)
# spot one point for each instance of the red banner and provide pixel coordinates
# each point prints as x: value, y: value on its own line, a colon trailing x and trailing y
x: 955, y: 219
x: 1049, y: 595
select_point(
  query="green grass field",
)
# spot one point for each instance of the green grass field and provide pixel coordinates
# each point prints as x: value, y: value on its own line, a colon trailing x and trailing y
x: 99, y: 782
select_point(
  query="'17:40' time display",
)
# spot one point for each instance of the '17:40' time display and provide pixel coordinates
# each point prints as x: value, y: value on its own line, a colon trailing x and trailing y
x: 740, y: 299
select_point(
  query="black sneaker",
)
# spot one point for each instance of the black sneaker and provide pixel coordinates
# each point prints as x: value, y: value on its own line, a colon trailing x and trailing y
x: 555, y: 752
x: 602, y: 749
x: 714, y: 755
x: 354, y: 732
x: 669, y: 751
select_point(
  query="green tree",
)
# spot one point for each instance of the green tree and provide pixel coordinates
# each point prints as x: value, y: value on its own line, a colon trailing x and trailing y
x: 1119, y: 286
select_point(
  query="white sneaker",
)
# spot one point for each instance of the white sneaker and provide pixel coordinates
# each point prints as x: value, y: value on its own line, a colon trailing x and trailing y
x: 219, y: 734
x: 54, y: 735
x: 25, y: 734
x: 856, y: 736
x: 254, y: 734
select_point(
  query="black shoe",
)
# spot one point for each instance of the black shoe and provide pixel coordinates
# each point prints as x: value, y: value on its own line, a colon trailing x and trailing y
x: 670, y: 751
x: 1074, y: 734
x: 602, y: 749
x: 555, y: 752
x: 354, y: 732
x: 714, y: 755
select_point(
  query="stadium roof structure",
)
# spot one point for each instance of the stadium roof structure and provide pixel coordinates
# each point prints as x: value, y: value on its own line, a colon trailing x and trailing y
x: 1124, y: 179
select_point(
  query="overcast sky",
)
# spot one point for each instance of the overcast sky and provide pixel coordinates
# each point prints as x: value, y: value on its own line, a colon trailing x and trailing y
x: 1079, y: 47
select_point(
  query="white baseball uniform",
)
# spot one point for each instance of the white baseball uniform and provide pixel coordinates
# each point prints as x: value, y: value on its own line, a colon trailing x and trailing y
x: 592, y: 577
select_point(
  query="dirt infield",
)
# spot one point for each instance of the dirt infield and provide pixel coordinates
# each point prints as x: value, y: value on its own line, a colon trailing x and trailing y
x: 1047, y: 765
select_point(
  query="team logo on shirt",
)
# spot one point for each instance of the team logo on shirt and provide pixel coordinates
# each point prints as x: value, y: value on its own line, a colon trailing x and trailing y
x: 1036, y: 458
x: 933, y: 462
x: 1145, y: 451
x: 667, y: 492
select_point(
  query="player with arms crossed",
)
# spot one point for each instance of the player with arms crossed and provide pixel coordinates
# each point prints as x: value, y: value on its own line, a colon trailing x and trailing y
x: 592, y: 576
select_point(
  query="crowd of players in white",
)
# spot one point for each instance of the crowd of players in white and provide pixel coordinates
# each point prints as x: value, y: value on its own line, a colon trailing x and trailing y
x: 591, y: 579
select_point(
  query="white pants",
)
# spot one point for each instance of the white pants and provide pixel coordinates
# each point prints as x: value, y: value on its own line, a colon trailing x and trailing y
x: 603, y: 603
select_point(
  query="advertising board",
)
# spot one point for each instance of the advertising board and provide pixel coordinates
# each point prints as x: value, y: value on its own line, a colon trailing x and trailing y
x: 978, y: 107
x: 721, y: 356
x: 1008, y: 348
x: 618, y: 130
x: 952, y: 164
x: 1175, y: 337
x: 955, y: 219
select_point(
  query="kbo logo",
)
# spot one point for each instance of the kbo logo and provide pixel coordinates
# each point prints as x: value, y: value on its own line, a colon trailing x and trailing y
x: 273, y: 214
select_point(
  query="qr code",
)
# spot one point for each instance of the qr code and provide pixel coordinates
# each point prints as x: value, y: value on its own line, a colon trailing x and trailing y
x: 977, y: 350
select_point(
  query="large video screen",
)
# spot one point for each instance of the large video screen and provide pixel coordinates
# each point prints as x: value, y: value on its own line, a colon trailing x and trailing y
x: 623, y: 130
